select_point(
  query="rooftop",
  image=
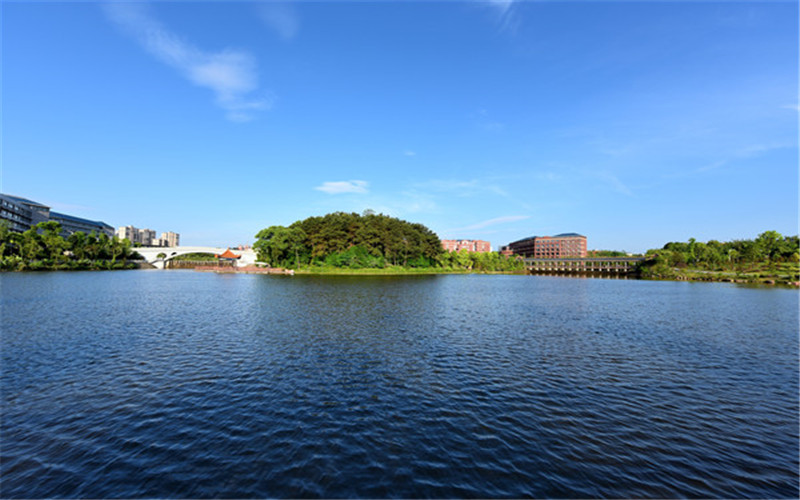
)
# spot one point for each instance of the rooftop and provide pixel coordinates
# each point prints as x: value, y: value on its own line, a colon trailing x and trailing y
x: 25, y: 201
x: 58, y: 215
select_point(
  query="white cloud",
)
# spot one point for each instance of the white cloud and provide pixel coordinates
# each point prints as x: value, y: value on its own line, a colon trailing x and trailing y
x: 280, y: 17
x: 616, y: 184
x: 462, y: 188
x: 493, y: 222
x: 504, y: 14
x: 232, y: 75
x: 342, y: 187
x: 501, y: 5
x: 409, y: 153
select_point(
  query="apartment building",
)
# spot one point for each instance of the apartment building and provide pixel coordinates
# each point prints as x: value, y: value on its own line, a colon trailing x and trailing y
x: 147, y: 237
x: 469, y: 245
x: 170, y: 239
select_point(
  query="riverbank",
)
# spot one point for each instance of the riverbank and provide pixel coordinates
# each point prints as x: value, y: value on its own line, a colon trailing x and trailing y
x: 754, y: 278
x: 244, y: 270
x: 760, y: 273
x: 394, y: 271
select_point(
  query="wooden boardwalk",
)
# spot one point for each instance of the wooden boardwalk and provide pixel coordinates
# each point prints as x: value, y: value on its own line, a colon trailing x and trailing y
x: 595, y: 265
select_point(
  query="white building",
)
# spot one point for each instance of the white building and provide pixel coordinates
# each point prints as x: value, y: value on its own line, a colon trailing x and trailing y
x: 170, y: 239
x: 147, y: 237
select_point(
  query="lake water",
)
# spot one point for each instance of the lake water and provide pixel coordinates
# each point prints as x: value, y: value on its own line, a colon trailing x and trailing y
x: 185, y: 384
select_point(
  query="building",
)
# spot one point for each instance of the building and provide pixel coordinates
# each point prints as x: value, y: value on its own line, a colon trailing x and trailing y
x: 468, y: 245
x: 22, y: 214
x: 548, y: 247
x: 71, y: 224
x: 18, y: 212
x: 147, y: 237
x: 170, y: 239
x: 129, y: 233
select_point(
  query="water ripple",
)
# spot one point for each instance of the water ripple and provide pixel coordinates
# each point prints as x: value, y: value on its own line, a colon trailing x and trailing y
x: 147, y: 385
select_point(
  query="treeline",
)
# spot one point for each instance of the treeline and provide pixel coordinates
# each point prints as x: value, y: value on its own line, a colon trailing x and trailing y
x: 43, y: 248
x: 349, y: 240
x: 769, y: 250
x: 606, y: 253
x: 366, y: 241
x: 480, y: 261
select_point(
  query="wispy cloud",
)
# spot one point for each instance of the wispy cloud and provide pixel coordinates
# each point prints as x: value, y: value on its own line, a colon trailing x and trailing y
x: 342, y: 187
x: 504, y: 13
x: 494, y: 222
x: 230, y: 74
x: 409, y: 153
x: 280, y: 17
x: 614, y: 182
x: 485, y: 122
x: 461, y: 188
x: 745, y: 152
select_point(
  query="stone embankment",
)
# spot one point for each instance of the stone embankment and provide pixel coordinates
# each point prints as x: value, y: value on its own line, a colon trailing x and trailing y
x: 245, y: 270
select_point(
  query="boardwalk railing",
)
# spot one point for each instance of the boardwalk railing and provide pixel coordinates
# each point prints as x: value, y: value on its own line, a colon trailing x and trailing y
x: 600, y: 265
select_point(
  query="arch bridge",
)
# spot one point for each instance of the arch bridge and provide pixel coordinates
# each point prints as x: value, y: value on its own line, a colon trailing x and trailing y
x: 151, y: 254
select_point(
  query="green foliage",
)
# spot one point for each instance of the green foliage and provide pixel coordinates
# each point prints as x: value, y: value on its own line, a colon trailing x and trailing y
x: 607, y: 253
x: 349, y: 240
x: 485, y: 262
x: 43, y: 248
x: 194, y: 257
x: 766, y: 254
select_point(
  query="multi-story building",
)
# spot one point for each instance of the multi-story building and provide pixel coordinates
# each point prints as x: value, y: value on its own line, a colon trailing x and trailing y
x: 147, y: 237
x: 22, y: 214
x: 129, y: 233
x: 170, y: 239
x: 548, y: 247
x: 71, y: 224
x: 468, y: 245
x: 17, y: 212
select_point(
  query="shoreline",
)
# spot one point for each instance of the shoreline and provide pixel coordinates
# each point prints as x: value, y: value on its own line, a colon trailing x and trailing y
x: 696, y: 275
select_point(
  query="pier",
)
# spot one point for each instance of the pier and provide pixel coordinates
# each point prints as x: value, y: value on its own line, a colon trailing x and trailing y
x: 599, y: 265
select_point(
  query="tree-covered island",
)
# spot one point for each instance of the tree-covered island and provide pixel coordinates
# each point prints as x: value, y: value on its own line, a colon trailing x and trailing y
x: 349, y: 242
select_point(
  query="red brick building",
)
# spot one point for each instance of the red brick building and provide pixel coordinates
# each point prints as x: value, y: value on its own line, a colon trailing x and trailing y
x: 469, y: 245
x: 548, y: 247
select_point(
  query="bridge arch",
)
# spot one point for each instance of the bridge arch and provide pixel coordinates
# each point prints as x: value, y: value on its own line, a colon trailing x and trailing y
x: 151, y: 254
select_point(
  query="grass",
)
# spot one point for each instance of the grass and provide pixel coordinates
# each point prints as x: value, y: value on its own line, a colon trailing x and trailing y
x: 391, y: 271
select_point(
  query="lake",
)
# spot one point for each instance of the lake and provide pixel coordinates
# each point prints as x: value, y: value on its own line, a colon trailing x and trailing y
x: 183, y: 384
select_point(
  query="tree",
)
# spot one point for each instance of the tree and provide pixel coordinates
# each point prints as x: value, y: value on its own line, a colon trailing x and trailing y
x: 768, y: 244
x: 77, y: 244
x: 272, y: 244
x: 296, y: 239
x: 6, y: 241
x: 383, y: 239
x: 54, y: 244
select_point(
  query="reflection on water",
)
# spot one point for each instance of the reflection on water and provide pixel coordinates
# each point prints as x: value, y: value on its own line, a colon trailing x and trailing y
x: 181, y: 384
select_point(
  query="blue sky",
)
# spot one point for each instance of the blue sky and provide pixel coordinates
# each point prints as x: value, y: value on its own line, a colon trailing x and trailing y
x: 633, y: 123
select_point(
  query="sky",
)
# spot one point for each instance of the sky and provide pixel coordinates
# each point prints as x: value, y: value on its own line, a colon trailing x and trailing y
x: 632, y: 123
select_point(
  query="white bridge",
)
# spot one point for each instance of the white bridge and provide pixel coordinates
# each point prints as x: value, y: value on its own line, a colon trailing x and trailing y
x: 158, y: 255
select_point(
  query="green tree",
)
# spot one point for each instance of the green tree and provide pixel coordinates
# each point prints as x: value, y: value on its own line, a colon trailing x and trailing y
x: 768, y: 243
x: 76, y: 242
x: 272, y: 244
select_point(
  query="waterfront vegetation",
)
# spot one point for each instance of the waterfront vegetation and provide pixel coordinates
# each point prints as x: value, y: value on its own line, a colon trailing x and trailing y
x: 769, y: 258
x: 194, y: 257
x: 368, y: 243
x: 43, y: 248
